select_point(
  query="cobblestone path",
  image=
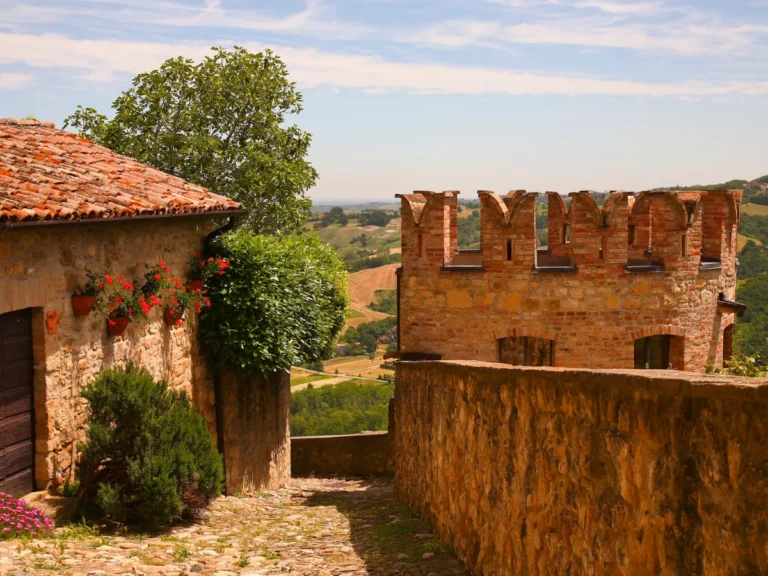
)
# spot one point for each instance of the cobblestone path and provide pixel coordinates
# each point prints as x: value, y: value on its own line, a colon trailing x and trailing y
x: 315, y: 527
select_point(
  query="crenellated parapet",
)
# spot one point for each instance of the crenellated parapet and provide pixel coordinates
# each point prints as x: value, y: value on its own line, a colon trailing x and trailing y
x: 643, y: 280
x: 651, y: 231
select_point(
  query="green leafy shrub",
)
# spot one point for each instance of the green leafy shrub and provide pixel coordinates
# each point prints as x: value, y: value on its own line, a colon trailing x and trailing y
x: 148, y: 456
x: 281, y: 303
x: 740, y: 366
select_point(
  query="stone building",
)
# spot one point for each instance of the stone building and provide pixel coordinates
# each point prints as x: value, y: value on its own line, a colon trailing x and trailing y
x: 68, y: 206
x: 645, y: 281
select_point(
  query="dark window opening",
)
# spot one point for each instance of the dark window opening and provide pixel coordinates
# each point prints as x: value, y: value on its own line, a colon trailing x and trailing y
x: 566, y: 234
x: 509, y: 249
x: 653, y: 353
x: 421, y: 244
x: 684, y: 245
x: 601, y: 248
x: 527, y: 351
x: 631, y: 236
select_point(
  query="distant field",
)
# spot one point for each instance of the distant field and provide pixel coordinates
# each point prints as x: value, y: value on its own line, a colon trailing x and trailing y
x: 308, y: 379
x: 755, y: 209
x: 744, y: 239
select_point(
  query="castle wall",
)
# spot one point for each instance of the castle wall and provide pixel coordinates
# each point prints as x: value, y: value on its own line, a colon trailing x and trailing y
x: 595, y: 307
x: 555, y: 471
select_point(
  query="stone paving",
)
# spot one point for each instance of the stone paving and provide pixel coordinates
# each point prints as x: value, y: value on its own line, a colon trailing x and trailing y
x: 319, y: 527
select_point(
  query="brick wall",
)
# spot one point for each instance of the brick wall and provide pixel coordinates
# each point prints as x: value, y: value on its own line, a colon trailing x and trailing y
x: 593, y: 311
x: 39, y: 269
x: 557, y: 471
x: 367, y: 454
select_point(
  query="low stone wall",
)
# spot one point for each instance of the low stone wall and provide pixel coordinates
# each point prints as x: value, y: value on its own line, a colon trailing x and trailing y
x: 366, y: 454
x: 554, y: 471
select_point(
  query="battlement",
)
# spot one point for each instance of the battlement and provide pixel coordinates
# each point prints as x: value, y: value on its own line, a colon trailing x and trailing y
x: 652, y: 231
x: 644, y: 279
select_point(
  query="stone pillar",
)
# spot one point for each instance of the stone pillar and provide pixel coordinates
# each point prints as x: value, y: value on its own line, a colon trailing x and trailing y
x: 257, y: 442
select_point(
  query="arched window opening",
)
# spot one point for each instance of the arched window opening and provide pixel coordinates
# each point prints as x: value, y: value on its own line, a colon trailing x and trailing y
x: 662, y: 352
x: 527, y: 351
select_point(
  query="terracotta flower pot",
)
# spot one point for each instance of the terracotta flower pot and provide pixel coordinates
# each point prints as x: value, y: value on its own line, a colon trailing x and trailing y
x: 170, y: 318
x: 195, y: 285
x: 82, y: 305
x: 116, y: 326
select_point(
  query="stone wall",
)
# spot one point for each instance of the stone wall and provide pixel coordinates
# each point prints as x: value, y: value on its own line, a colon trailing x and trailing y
x: 554, y: 471
x: 461, y: 305
x: 367, y: 454
x: 39, y: 269
x: 257, y: 442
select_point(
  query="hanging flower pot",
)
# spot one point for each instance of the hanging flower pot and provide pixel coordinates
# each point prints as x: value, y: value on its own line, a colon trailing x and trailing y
x: 196, y: 285
x: 116, y: 326
x: 172, y: 318
x: 82, y: 305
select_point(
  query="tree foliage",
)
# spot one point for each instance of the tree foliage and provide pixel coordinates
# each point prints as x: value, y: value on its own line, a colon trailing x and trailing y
x: 148, y: 456
x: 346, y: 408
x: 751, y: 337
x: 368, y: 334
x: 281, y: 303
x: 219, y: 124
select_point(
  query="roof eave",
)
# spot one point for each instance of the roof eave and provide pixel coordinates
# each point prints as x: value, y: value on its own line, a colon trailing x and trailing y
x: 118, y: 219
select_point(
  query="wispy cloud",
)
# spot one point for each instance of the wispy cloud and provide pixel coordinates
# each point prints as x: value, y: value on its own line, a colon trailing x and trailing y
x: 316, y: 19
x: 14, y: 81
x: 101, y: 60
x: 684, y: 40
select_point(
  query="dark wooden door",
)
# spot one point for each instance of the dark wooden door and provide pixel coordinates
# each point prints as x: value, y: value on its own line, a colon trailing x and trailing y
x: 17, y: 446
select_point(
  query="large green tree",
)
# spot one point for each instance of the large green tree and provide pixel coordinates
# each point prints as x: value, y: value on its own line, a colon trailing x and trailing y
x: 220, y: 124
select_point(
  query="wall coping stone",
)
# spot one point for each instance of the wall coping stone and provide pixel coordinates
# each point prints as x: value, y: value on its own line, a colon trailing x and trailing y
x: 663, y: 382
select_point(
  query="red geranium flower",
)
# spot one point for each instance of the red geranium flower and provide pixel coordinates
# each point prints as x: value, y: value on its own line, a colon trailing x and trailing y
x: 157, y: 276
x: 162, y: 263
x: 111, y: 322
x: 108, y: 278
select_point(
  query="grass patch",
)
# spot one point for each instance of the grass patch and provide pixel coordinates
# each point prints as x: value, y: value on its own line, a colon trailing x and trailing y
x: 744, y: 239
x: 308, y: 379
x: 353, y: 314
x: 754, y: 209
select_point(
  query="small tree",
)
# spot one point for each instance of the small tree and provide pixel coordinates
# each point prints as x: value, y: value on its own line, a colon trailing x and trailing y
x: 219, y: 124
x: 148, y: 456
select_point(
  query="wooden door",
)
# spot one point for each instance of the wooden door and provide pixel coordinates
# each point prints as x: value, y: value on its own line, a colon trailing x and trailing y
x: 17, y: 446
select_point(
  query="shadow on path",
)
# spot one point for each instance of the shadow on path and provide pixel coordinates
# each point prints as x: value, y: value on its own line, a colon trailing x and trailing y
x: 384, y: 533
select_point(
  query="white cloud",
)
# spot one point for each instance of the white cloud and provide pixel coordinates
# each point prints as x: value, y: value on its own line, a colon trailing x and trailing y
x: 13, y: 81
x: 684, y: 40
x: 100, y: 60
x: 315, y: 20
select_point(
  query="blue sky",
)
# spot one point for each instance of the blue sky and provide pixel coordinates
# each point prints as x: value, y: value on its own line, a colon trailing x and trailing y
x: 444, y: 94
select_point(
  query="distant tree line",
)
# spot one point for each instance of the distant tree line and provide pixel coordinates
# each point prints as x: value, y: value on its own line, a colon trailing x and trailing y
x: 365, y: 337
x: 336, y: 215
x: 346, y: 408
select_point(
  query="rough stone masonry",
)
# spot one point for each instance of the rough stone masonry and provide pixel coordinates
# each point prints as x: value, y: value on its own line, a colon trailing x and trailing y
x: 653, y: 265
x: 556, y: 471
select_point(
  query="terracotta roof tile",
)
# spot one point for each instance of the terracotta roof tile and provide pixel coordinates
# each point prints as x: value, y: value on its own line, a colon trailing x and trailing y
x: 50, y: 174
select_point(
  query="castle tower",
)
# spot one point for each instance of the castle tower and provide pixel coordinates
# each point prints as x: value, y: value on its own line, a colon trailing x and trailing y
x: 640, y: 281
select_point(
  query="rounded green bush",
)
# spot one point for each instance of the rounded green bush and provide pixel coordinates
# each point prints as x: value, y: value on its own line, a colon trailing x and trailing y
x: 281, y: 303
x: 148, y: 456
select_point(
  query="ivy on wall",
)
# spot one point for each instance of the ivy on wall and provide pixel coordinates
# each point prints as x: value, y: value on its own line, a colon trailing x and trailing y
x: 282, y: 302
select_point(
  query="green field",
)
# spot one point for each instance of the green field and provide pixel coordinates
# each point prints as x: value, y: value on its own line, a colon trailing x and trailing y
x: 308, y: 379
x: 355, y: 314
x: 754, y: 209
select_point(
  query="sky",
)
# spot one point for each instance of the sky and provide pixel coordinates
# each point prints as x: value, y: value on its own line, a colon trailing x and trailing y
x: 468, y: 95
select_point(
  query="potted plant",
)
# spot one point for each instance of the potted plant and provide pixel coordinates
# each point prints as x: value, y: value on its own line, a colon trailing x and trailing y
x: 85, y: 297
x: 161, y: 288
x: 176, y: 303
x: 121, y: 304
x: 202, y: 269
